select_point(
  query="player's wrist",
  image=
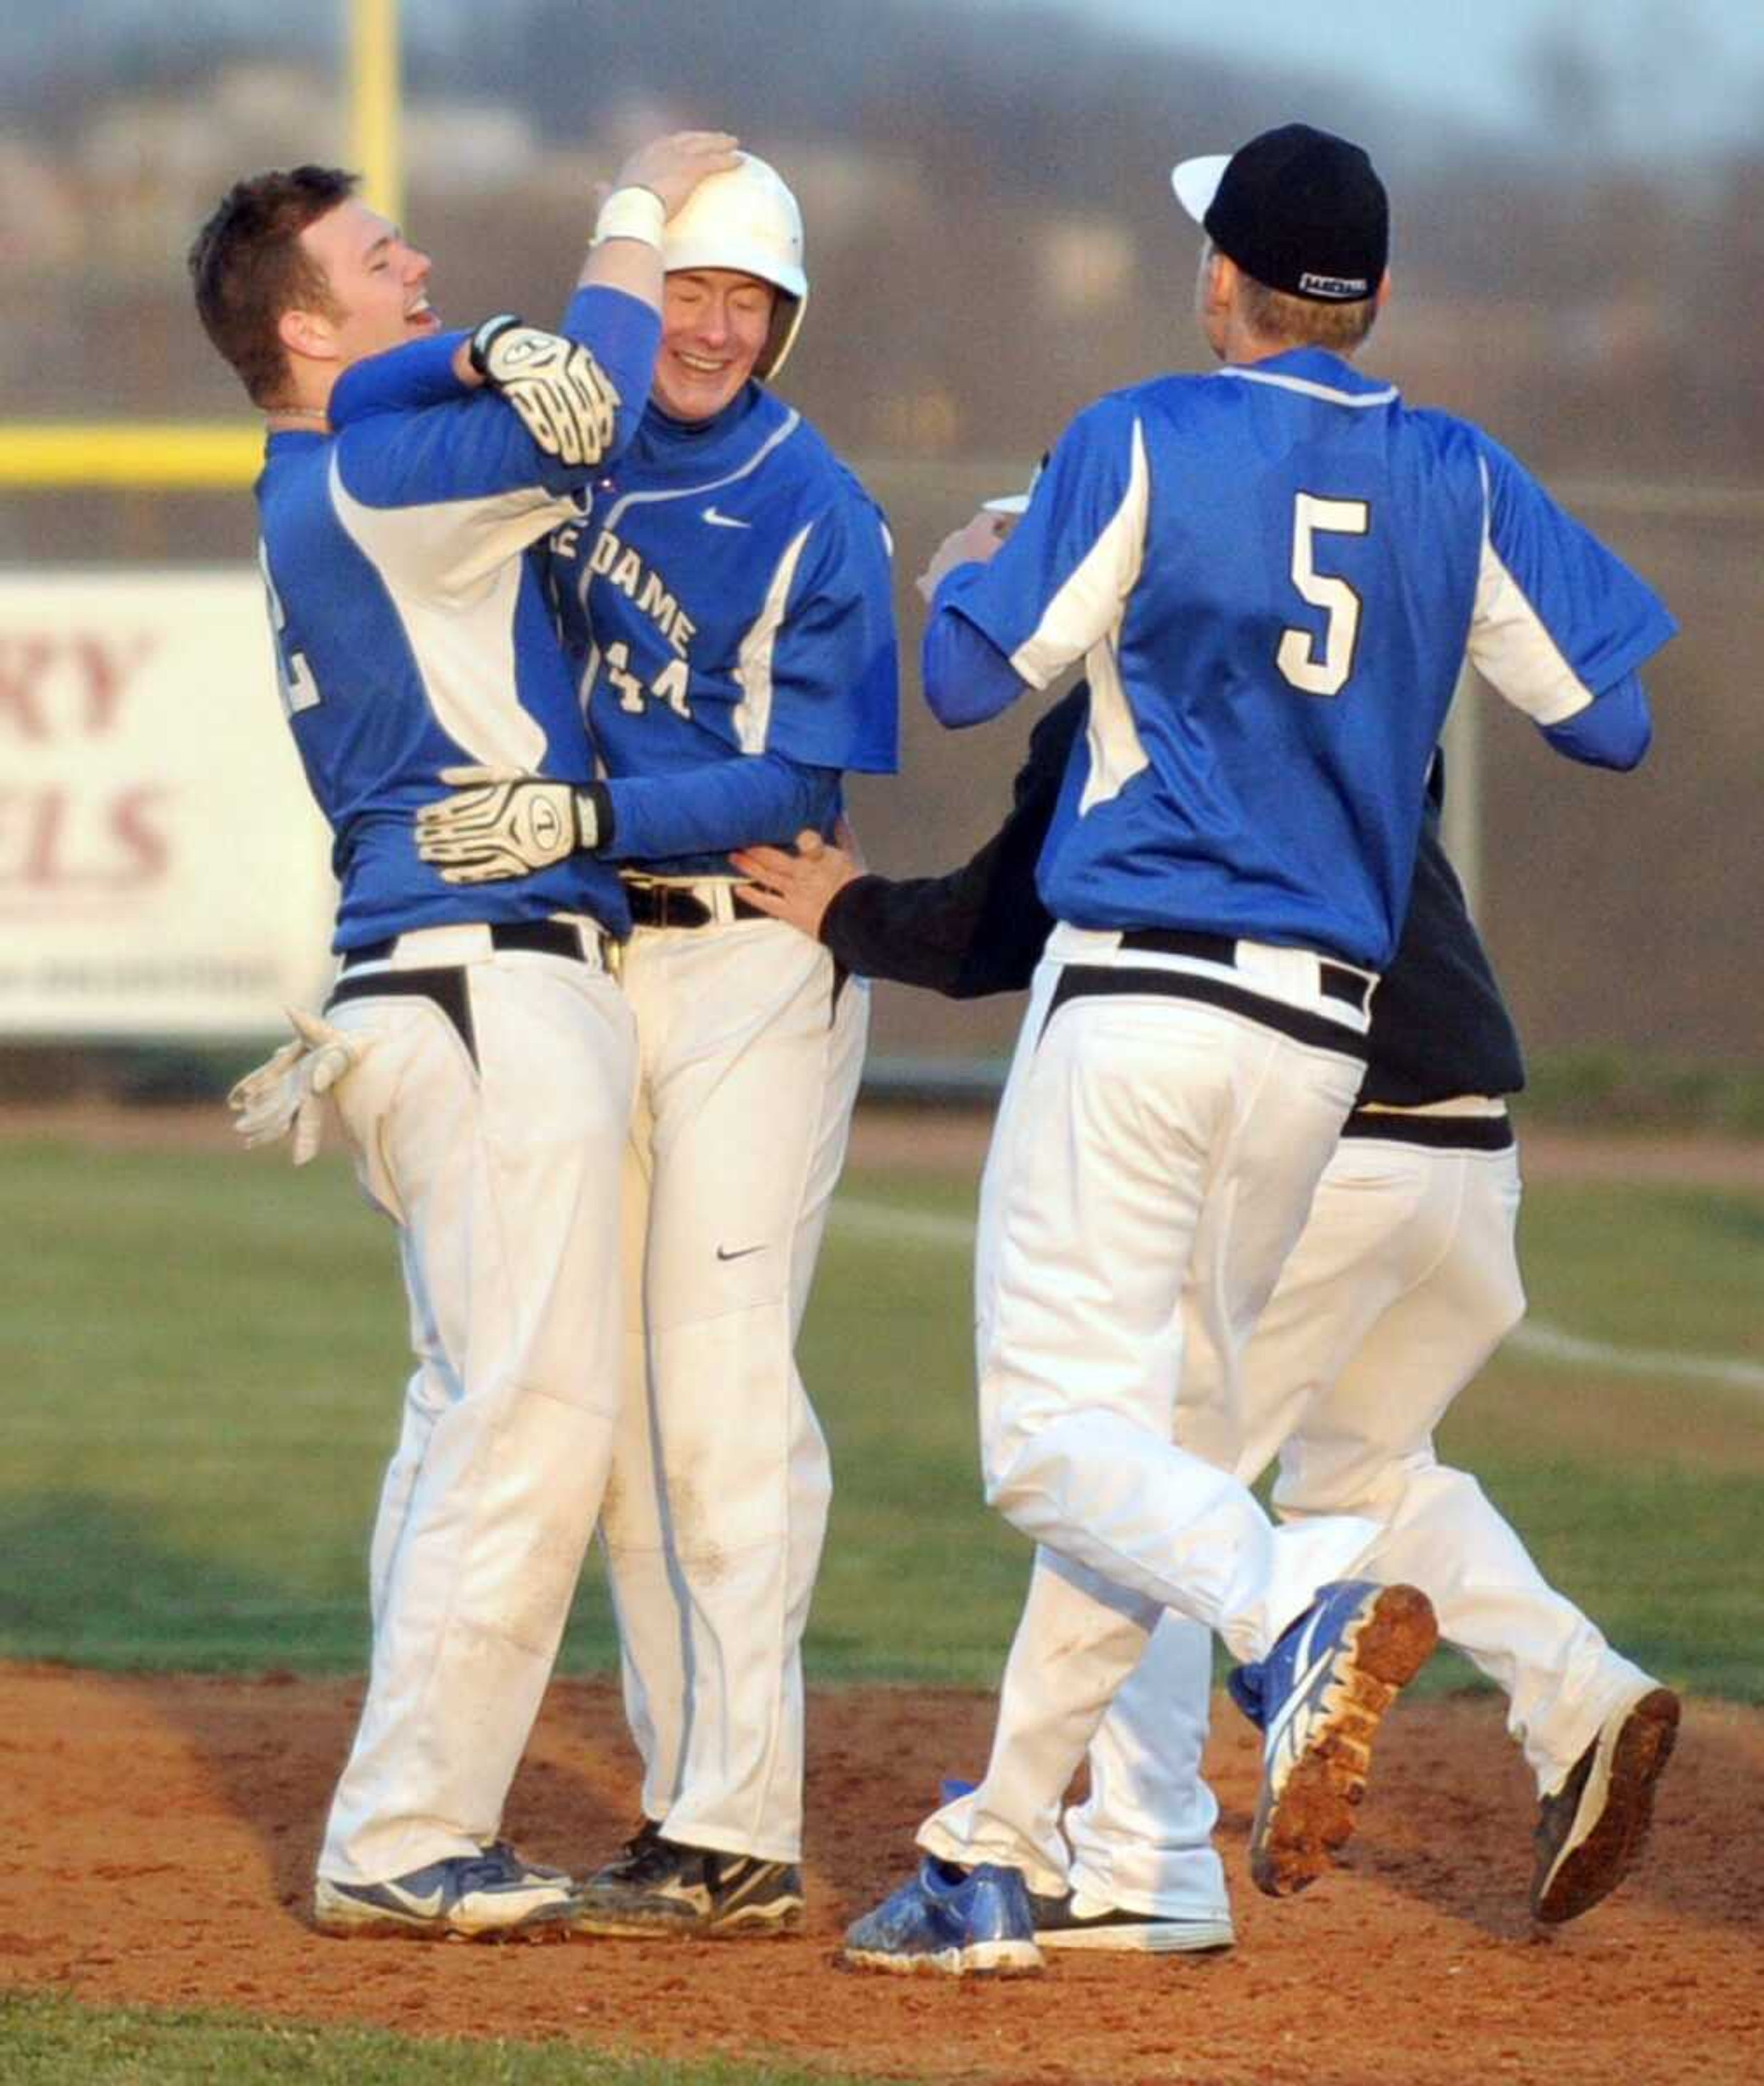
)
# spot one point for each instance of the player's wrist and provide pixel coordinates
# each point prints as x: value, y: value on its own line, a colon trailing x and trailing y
x: 485, y: 336
x: 826, y: 928
x: 594, y: 817
x: 631, y: 212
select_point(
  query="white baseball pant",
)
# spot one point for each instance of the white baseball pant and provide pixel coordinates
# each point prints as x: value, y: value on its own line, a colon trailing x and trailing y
x: 1150, y: 1151
x: 501, y: 1171
x: 1405, y: 1283
x: 715, y: 1517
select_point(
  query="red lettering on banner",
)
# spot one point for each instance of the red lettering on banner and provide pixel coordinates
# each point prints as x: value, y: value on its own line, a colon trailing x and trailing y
x: 51, y: 842
x: 22, y: 662
x: 106, y: 667
x: 38, y: 674
x: 48, y: 813
x: 131, y: 819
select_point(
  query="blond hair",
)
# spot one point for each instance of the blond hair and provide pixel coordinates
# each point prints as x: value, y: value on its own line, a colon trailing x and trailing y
x: 1304, y: 322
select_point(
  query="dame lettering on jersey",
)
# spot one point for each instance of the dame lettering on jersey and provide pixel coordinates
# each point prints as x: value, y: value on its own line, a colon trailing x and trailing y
x: 623, y: 568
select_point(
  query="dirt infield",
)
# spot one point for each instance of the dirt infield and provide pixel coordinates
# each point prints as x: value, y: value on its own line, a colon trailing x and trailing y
x: 160, y: 1834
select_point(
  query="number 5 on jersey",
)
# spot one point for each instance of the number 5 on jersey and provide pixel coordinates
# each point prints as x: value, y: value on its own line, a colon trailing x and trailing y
x: 1297, y: 658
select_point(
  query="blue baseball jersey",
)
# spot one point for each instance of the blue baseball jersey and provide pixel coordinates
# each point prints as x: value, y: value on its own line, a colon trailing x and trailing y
x: 1273, y: 573
x: 730, y: 598
x: 412, y: 626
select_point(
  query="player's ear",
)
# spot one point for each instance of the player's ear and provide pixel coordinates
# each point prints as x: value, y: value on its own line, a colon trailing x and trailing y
x: 1382, y: 294
x: 308, y: 334
x: 1208, y: 274
x: 1217, y: 283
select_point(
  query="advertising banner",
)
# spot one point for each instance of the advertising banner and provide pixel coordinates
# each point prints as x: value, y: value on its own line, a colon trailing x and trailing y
x: 164, y: 873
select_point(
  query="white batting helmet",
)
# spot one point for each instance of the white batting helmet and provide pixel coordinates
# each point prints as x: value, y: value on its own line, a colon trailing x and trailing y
x: 747, y: 219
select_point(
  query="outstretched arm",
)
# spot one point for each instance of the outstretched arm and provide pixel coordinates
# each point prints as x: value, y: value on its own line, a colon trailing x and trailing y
x: 626, y: 253
x: 977, y: 929
x: 500, y: 822
x: 1614, y: 730
x: 966, y: 678
x: 567, y: 387
x: 1561, y: 625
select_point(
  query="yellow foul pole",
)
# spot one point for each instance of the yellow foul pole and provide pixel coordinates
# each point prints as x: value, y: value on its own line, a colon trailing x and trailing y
x: 165, y: 455
x: 374, y: 140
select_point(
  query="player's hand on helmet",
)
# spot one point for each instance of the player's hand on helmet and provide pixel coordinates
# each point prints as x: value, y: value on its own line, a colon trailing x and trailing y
x: 975, y: 542
x: 503, y: 822
x: 286, y: 1092
x: 672, y: 167
x: 797, y: 888
x: 565, y: 399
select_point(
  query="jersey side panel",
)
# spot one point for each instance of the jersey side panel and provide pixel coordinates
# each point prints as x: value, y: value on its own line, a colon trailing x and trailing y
x: 382, y: 696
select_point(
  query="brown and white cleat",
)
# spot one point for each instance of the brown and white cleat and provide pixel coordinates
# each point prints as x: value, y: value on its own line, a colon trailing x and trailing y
x: 1318, y: 1696
x: 1591, y: 1830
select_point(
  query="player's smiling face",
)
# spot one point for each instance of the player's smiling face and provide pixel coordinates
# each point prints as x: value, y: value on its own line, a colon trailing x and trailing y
x: 715, y: 322
x: 378, y: 281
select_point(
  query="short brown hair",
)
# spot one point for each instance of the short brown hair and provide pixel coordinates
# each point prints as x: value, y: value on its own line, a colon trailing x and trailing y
x: 248, y: 267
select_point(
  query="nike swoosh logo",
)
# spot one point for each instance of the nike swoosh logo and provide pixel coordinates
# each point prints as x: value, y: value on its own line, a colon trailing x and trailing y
x: 722, y: 1254
x: 720, y: 521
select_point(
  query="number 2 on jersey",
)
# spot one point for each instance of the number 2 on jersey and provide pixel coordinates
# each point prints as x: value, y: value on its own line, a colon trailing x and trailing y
x: 1296, y: 657
x: 299, y: 690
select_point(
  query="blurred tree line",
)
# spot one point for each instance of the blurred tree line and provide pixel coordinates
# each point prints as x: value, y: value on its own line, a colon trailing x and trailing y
x: 992, y: 237
x: 993, y: 242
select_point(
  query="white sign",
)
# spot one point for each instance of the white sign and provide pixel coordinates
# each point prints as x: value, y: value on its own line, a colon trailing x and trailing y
x: 163, y: 872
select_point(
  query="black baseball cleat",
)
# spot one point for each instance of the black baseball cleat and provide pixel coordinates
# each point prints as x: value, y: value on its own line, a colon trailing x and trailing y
x: 1591, y: 1830
x: 658, y: 1886
x: 1077, y: 1922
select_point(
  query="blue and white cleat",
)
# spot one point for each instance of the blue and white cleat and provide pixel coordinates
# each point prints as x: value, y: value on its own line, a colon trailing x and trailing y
x: 1318, y: 1697
x: 496, y: 1896
x: 951, y: 1921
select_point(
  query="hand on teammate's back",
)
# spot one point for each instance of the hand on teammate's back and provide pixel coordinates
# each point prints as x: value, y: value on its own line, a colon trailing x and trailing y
x: 797, y: 887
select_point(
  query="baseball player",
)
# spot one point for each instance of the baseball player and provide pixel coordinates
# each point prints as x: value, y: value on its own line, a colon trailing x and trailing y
x: 728, y: 606
x: 478, y: 1053
x: 1273, y: 573
x: 1403, y: 1282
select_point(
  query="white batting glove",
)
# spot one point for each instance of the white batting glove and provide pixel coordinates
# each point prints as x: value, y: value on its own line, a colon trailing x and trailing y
x: 287, y: 1091
x: 562, y: 395
x: 503, y: 822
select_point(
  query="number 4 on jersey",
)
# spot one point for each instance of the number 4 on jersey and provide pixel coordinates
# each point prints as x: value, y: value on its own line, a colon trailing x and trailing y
x: 1296, y: 657
x: 668, y: 687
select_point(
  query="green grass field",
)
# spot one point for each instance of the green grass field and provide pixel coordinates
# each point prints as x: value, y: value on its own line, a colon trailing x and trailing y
x: 204, y: 1351
x: 52, y: 2042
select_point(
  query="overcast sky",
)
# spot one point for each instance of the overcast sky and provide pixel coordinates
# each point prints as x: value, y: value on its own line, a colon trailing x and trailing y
x: 1686, y: 75
x: 1684, y: 78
